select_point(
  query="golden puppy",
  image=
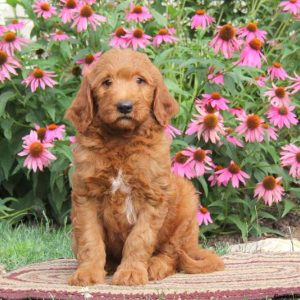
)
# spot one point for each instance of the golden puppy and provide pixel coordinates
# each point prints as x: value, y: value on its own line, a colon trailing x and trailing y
x: 130, y: 214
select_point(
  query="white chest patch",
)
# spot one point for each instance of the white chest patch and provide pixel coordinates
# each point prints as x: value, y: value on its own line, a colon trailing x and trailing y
x: 118, y: 183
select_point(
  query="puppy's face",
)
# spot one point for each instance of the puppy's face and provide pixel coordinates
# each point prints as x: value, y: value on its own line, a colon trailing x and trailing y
x: 121, y: 91
x: 124, y: 91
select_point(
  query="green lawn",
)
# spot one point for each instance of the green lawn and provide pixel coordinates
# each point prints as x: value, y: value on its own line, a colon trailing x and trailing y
x: 23, y: 245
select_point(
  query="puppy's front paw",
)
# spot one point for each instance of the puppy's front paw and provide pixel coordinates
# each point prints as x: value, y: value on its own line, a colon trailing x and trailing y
x: 130, y: 275
x: 87, y: 276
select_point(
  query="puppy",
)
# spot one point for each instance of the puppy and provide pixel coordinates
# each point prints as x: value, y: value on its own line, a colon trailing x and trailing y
x: 130, y: 215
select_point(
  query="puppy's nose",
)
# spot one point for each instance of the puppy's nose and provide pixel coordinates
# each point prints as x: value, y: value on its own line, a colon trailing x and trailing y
x: 124, y: 107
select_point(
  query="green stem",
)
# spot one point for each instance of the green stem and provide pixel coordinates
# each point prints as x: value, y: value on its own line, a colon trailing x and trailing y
x: 21, y: 125
x: 192, y: 104
x: 17, y: 92
x: 221, y: 15
x: 277, y: 35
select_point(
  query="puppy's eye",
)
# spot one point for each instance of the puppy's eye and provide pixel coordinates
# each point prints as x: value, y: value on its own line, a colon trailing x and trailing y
x: 107, y: 82
x: 140, y: 80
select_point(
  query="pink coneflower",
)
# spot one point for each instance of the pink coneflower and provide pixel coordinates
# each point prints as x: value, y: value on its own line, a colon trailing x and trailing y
x: 88, y: 60
x: 233, y: 173
x: 225, y: 40
x: 207, y: 125
x: 43, y: 9
x: 278, y: 95
x: 38, y: 154
x: 118, y: 38
x: 54, y: 132
x: 214, y: 177
x: 85, y: 15
x: 232, y: 139
x: 138, y: 13
x: 2, y: 77
x: 11, y: 42
x: 137, y: 38
x: 72, y: 139
x: 8, y: 64
x: 215, y: 100
x: 251, y: 32
x: 237, y: 111
x: 277, y: 71
x: 2, y: 29
x: 68, y: 10
x: 282, y: 116
x: 41, y: 133
x: 251, y: 127
x: 270, y: 132
x: 203, y: 216
x: 198, y: 159
x: 291, y: 6
x: 201, y: 19
x: 171, y: 131
x: 251, y: 55
x: 16, y: 25
x: 296, y: 85
x: 261, y: 80
x: 217, y: 78
x: 59, y: 35
x: 89, y: 2
x: 180, y: 167
x: 269, y: 189
x: 206, y: 108
x: 39, y: 78
x: 165, y: 35
x: 290, y: 157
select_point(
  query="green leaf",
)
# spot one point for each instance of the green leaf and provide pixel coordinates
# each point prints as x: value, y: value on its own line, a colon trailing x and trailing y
x: 218, y: 203
x: 288, y: 206
x: 266, y: 215
x: 65, y: 50
x: 243, y: 227
x: 295, y: 191
x: 240, y: 201
x: 177, y: 142
x: 31, y: 47
x: 161, y: 58
x: 6, y: 126
x: 160, y: 19
x: 175, y: 88
x: 4, y: 98
x: 64, y: 149
x: 203, y: 184
x: 265, y: 229
x: 123, y: 5
x: 12, y: 3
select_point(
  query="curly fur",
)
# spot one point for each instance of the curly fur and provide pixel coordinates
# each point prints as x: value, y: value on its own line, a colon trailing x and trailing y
x: 130, y: 215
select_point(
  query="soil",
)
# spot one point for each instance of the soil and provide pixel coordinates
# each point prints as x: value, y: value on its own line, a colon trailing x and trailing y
x: 289, y: 226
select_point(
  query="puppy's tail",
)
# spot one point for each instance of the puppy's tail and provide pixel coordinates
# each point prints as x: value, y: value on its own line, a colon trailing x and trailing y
x: 199, y: 261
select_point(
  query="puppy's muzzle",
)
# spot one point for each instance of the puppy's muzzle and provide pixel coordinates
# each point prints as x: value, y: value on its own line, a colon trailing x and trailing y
x: 124, y: 107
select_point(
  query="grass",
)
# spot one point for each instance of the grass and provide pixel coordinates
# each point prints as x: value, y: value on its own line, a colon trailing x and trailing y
x: 23, y: 244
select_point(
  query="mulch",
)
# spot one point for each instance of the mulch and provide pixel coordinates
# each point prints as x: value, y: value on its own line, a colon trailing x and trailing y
x: 246, y: 276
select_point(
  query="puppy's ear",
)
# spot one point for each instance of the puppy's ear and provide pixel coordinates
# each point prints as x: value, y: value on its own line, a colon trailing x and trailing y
x: 81, y: 111
x: 164, y: 105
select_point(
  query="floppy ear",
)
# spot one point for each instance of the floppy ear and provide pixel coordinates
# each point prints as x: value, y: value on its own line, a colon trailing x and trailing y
x: 81, y: 111
x: 164, y: 106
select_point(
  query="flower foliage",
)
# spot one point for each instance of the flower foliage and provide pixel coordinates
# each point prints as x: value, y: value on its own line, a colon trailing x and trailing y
x: 231, y: 66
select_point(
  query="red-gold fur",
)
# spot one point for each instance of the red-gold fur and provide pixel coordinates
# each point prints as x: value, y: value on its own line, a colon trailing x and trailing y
x: 130, y: 214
